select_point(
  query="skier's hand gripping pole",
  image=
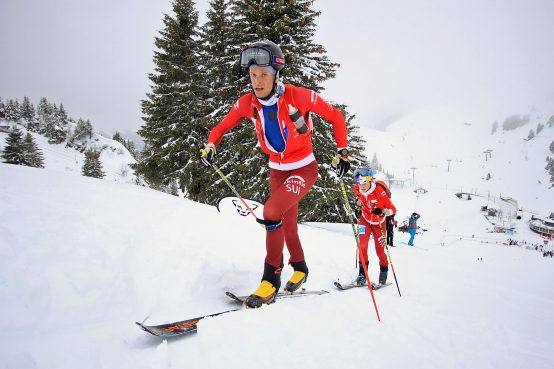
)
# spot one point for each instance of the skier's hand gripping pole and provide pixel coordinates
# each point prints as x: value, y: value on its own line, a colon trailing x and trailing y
x: 207, y: 157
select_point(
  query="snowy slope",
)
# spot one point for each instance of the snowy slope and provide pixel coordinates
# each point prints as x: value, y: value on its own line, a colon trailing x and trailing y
x: 114, y: 156
x: 81, y: 259
x: 425, y: 140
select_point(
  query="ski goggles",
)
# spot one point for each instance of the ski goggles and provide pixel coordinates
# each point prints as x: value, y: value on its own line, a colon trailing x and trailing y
x: 363, y: 175
x: 364, y: 179
x: 260, y: 57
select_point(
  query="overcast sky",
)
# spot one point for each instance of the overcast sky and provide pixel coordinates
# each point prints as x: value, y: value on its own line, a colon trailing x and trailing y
x: 488, y: 56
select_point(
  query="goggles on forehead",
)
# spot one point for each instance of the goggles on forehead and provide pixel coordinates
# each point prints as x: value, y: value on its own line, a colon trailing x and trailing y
x: 260, y: 57
x: 364, y: 179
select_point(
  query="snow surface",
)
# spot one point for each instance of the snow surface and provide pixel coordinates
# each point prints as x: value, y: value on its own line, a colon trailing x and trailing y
x: 82, y: 259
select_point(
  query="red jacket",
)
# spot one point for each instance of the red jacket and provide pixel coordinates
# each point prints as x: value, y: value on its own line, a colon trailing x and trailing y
x: 375, y: 197
x: 298, y: 150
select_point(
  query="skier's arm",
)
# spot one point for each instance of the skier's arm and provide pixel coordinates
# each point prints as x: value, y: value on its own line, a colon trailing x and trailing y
x: 309, y: 101
x: 238, y: 112
x: 389, y: 205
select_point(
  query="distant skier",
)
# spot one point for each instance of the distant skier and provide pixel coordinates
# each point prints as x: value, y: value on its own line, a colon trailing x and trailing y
x: 391, y: 224
x: 412, y: 227
x: 375, y: 205
x: 281, y: 117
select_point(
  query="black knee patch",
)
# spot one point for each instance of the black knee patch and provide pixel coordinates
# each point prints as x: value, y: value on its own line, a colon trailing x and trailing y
x: 270, y: 225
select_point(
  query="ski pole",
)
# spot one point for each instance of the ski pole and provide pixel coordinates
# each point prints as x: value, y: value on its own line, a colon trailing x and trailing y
x: 224, y: 177
x: 364, y: 266
x: 390, y: 259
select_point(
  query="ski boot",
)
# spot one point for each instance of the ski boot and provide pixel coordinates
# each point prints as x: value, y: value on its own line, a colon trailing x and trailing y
x: 267, y: 291
x: 299, y: 276
x: 265, y: 294
x: 360, y: 281
x: 383, y: 274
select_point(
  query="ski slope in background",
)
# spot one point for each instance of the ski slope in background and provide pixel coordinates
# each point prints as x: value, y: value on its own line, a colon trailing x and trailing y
x: 81, y: 259
x: 425, y: 140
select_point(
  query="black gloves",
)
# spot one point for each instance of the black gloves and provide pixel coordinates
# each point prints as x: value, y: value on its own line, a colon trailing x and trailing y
x: 358, y: 211
x: 340, y: 163
x: 207, y: 154
x: 378, y: 212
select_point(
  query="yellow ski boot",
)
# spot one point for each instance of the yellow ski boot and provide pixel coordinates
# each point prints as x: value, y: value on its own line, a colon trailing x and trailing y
x: 297, y: 279
x: 299, y: 276
x: 265, y: 294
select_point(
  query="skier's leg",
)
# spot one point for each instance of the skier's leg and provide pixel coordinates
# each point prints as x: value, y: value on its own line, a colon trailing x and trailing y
x: 364, y: 230
x: 292, y: 241
x: 390, y: 236
x: 412, y: 235
x: 287, y: 189
x: 380, y: 251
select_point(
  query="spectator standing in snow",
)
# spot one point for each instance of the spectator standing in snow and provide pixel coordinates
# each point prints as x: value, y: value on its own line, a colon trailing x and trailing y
x: 412, y: 227
x: 391, y: 224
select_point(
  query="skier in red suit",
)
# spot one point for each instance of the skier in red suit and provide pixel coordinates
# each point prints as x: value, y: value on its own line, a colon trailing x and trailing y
x: 281, y: 117
x: 374, y: 205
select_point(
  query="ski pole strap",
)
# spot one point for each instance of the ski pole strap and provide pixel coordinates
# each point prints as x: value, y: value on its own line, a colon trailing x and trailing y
x: 270, y: 225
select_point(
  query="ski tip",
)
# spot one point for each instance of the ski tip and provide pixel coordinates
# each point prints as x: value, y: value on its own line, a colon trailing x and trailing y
x: 235, y: 297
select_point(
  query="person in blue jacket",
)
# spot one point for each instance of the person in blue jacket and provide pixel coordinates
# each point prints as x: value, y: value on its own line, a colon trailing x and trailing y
x: 412, y: 227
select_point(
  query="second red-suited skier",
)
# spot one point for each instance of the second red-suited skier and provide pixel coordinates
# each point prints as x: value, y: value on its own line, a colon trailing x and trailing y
x: 374, y: 205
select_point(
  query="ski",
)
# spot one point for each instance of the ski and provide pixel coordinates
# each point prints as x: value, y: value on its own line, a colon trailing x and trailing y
x: 177, y: 328
x: 374, y: 287
x: 191, y: 325
x: 281, y: 295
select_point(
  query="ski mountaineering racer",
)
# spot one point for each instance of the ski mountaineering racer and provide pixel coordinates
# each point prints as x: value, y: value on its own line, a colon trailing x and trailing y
x: 281, y: 117
x: 375, y: 206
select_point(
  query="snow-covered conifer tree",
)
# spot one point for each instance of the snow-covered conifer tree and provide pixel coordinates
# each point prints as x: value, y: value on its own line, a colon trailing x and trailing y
x: 29, y: 115
x: 92, y: 167
x: 14, y: 151
x: 291, y: 25
x: 80, y: 136
x: 33, y: 155
x: 174, y: 129
x: 2, y: 109
x: 12, y: 111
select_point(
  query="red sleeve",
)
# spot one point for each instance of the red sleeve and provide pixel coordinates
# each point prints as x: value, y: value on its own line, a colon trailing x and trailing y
x: 309, y: 101
x: 388, y: 204
x: 240, y: 110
